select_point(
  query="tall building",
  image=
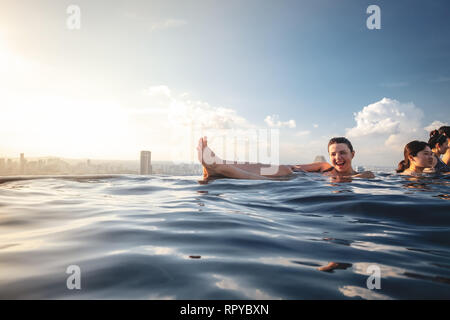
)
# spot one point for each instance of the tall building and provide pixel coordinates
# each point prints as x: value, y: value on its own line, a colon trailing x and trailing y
x: 146, y: 162
x: 22, y: 163
x: 2, y: 166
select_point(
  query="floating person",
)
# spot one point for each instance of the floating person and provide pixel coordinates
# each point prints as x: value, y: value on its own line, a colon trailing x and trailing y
x: 340, y: 150
x: 445, y: 130
x: 418, y: 157
x: 439, y: 145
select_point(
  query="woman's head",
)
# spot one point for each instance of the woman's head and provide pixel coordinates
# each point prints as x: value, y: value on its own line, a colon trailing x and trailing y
x: 417, y: 153
x: 341, y: 154
x: 438, y: 142
x: 445, y: 130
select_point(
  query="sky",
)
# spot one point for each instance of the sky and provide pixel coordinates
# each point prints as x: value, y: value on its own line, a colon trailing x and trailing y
x: 156, y: 75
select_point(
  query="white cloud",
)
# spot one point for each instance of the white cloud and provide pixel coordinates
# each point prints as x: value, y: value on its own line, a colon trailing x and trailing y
x: 354, y: 291
x: 315, y: 125
x: 435, y: 125
x: 180, y: 120
x: 184, y: 111
x: 388, y: 121
x: 274, y: 122
x: 202, y: 115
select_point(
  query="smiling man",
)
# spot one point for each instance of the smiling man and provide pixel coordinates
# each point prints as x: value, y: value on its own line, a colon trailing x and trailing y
x: 341, y: 154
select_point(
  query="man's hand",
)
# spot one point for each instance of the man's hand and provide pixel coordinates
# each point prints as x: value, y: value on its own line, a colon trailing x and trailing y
x: 297, y: 168
x: 365, y: 175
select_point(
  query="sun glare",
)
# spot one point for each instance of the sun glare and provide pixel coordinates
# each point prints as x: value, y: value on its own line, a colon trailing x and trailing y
x: 4, y: 55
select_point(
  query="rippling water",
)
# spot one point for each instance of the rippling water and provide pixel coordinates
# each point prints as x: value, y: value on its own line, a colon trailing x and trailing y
x: 165, y: 237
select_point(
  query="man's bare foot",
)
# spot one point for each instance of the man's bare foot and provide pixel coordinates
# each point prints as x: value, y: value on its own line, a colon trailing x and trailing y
x: 207, y: 158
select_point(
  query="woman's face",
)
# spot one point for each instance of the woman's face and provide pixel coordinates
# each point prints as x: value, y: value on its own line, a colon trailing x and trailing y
x: 341, y: 157
x: 423, y: 159
x: 442, y: 148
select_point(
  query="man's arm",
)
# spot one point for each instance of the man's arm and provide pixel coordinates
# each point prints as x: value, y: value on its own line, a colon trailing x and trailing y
x: 365, y: 175
x: 312, y: 167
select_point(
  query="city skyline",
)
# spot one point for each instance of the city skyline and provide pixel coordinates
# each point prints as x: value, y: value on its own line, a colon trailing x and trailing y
x: 23, y: 166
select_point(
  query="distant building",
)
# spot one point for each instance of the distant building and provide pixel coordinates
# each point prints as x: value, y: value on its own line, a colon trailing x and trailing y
x: 22, y: 163
x: 2, y: 166
x: 146, y: 162
x: 320, y: 159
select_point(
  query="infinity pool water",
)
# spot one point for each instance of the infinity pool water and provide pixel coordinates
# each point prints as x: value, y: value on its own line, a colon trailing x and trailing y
x: 167, y: 237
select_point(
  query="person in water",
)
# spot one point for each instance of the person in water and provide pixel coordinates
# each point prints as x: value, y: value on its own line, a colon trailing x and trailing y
x: 341, y: 154
x: 418, y: 157
x: 439, y: 145
x: 340, y: 150
x: 445, y: 130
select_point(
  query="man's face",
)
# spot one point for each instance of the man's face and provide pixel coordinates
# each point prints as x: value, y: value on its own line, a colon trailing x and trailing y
x: 341, y: 157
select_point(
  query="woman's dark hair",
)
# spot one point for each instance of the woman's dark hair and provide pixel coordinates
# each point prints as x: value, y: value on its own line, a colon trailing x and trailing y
x: 436, y: 138
x: 340, y: 140
x: 411, y: 149
x: 445, y: 130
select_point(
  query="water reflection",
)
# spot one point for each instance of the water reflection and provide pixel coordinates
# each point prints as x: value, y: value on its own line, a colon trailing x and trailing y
x: 443, y: 196
x: 385, y: 270
x: 430, y: 278
x: 228, y: 283
x: 420, y: 183
x: 343, y: 242
x: 417, y: 185
x: 372, y: 246
x: 160, y: 251
x: 340, y: 179
x: 151, y: 228
x: 353, y: 292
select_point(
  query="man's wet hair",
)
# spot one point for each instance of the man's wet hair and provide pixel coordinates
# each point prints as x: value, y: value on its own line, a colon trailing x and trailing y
x: 340, y: 140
